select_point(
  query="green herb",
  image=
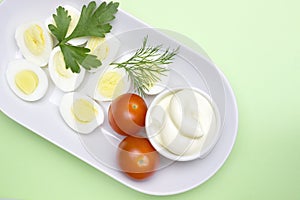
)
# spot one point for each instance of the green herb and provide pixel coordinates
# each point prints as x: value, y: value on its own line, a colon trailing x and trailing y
x: 145, y: 67
x: 93, y: 21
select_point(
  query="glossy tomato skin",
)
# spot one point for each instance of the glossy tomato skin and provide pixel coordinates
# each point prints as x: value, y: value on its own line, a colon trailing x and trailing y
x: 113, y: 124
x: 127, y: 114
x: 137, y: 157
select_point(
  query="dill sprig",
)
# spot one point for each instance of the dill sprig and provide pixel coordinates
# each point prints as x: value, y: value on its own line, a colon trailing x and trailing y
x: 146, y: 66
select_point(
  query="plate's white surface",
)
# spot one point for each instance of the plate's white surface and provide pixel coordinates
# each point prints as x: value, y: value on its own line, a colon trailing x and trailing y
x: 198, y: 70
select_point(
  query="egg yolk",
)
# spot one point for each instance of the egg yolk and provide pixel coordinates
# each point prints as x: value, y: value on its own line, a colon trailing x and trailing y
x: 35, y: 40
x: 27, y: 81
x: 84, y: 111
x: 110, y: 84
x: 98, y: 47
x: 60, y: 65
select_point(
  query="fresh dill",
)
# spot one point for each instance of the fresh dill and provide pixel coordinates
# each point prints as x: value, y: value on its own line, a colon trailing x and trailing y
x: 147, y: 65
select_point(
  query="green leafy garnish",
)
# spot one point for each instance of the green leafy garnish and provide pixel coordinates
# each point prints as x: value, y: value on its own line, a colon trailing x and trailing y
x: 146, y: 66
x: 74, y: 56
x: 62, y: 21
x: 93, y: 21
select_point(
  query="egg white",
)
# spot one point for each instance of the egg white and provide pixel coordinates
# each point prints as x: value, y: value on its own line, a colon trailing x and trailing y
x: 125, y: 81
x: 65, y: 109
x: 41, y: 59
x: 16, y: 66
x: 66, y: 84
x: 106, y: 50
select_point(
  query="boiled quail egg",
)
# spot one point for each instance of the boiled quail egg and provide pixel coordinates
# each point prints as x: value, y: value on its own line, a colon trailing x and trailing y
x: 27, y: 80
x: 105, y: 49
x: 81, y: 113
x: 75, y: 15
x: 111, y: 83
x: 35, y: 42
x: 63, y: 78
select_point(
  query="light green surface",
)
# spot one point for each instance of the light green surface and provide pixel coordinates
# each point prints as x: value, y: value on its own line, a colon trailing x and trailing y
x: 257, y: 45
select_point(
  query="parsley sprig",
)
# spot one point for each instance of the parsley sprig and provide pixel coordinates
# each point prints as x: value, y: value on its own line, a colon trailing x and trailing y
x: 93, y: 21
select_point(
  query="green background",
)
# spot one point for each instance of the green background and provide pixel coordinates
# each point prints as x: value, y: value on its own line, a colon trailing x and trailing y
x: 256, y: 44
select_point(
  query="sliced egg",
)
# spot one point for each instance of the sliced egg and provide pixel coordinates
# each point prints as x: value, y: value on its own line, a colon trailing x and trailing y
x: 81, y: 113
x: 75, y: 15
x: 157, y: 87
x: 27, y: 80
x: 106, y: 49
x: 63, y: 78
x: 35, y: 42
x: 111, y: 83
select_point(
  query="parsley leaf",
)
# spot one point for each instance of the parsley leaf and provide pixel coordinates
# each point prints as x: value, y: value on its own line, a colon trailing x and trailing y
x: 75, y: 56
x: 62, y: 21
x: 93, y: 21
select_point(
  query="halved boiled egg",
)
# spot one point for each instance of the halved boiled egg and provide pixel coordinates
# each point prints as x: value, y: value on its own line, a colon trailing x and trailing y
x: 35, y: 42
x: 111, y: 83
x: 27, y: 80
x: 81, y: 113
x: 75, y: 15
x: 106, y: 49
x: 63, y: 78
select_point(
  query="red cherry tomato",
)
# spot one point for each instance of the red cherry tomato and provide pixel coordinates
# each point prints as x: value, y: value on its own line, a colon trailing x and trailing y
x: 126, y: 114
x: 137, y: 158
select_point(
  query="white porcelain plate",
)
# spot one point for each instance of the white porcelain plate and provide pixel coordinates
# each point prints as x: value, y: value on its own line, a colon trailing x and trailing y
x: 190, y: 68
